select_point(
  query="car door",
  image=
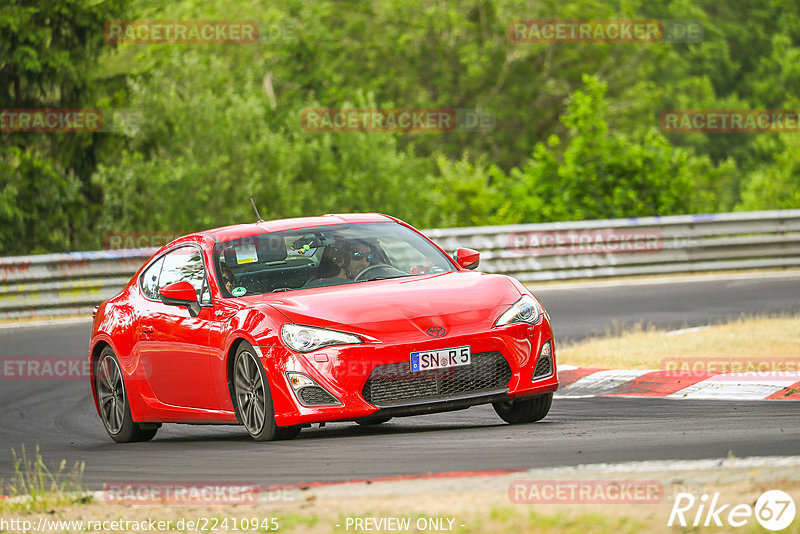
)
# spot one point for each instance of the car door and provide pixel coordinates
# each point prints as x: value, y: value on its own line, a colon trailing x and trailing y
x: 173, y: 345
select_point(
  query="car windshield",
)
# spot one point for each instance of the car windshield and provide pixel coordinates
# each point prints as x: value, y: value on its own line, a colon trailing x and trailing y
x: 324, y: 256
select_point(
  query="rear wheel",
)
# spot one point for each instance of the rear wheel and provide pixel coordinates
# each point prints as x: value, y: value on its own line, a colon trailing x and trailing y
x: 252, y: 396
x: 112, y: 402
x: 524, y: 410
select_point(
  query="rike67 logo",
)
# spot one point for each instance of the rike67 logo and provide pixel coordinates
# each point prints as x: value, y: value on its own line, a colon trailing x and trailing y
x: 774, y: 510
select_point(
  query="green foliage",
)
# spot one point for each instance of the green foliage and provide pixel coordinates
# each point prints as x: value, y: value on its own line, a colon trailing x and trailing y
x: 593, y: 174
x: 48, y: 54
x: 465, y: 195
x: 204, y: 127
x: 603, y: 175
x: 35, y: 203
x: 775, y: 186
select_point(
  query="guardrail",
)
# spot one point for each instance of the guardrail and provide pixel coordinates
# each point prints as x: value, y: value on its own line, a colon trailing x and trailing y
x: 73, y: 283
x: 635, y: 246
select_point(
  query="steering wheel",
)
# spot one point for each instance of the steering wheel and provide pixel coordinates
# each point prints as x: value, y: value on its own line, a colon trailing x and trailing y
x: 368, y: 269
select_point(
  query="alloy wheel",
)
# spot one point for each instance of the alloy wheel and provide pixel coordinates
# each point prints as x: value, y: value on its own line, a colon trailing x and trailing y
x: 111, y: 394
x: 250, y: 394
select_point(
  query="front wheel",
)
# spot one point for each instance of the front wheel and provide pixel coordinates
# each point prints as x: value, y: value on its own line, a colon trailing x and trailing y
x: 524, y: 410
x: 112, y: 401
x: 373, y: 421
x: 288, y: 432
x: 251, y: 395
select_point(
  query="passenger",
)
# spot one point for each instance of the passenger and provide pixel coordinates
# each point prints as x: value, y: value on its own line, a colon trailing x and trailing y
x: 332, y: 263
x: 228, y: 278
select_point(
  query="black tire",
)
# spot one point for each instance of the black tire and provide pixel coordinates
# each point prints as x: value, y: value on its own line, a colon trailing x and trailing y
x: 112, y: 402
x: 528, y: 410
x: 146, y: 434
x: 251, y: 395
x: 288, y: 432
x: 373, y: 421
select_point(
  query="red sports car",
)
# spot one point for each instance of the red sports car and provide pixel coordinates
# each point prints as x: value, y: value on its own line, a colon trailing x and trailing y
x: 280, y: 324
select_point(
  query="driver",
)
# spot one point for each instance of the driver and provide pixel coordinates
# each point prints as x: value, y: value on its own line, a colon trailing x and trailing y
x: 358, y: 255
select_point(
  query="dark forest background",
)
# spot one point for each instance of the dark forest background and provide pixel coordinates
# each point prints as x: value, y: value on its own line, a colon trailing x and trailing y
x: 193, y: 130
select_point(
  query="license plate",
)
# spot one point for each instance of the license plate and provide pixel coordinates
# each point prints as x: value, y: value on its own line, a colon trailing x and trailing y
x: 438, y: 359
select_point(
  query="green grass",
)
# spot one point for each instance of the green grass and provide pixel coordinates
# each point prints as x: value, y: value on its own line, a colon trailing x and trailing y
x: 584, y: 524
x: 291, y: 521
x: 37, y: 488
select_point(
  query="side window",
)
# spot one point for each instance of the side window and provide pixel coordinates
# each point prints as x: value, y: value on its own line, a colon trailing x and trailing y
x: 185, y: 264
x: 149, y: 280
x: 205, y: 298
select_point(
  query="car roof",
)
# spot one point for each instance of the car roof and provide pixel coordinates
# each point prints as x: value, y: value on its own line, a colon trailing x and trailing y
x: 236, y: 231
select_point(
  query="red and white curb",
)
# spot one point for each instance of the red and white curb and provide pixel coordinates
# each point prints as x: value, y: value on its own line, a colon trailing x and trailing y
x: 588, y: 382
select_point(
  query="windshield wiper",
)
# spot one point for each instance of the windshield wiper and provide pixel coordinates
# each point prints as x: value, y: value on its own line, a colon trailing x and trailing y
x: 387, y: 277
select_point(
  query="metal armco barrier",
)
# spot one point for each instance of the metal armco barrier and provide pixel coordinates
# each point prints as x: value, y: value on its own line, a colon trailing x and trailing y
x: 64, y: 284
x: 635, y: 246
x: 56, y: 284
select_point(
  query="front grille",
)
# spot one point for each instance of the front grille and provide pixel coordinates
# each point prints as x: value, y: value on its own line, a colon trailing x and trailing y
x: 395, y: 383
x: 544, y: 367
x: 315, y: 396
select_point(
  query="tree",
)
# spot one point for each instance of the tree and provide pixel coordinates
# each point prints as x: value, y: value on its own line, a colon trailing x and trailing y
x: 598, y: 174
x: 48, y: 57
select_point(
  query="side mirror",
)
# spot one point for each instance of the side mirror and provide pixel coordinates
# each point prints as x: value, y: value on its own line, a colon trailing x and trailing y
x: 181, y: 294
x: 467, y: 258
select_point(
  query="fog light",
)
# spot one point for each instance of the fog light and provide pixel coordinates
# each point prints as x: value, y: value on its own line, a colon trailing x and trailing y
x: 308, y: 392
x: 544, y: 365
x: 298, y: 380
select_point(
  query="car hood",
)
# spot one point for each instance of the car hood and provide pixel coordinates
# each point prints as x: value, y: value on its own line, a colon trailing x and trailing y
x: 460, y: 302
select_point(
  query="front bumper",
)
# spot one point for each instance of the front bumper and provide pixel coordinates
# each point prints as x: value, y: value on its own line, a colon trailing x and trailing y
x: 344, y: 372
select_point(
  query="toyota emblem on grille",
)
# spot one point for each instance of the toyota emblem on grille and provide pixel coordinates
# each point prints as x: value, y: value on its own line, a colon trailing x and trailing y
x: 436, y: 331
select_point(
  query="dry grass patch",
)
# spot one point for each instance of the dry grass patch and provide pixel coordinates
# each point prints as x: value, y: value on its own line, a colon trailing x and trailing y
x: 769, y: 339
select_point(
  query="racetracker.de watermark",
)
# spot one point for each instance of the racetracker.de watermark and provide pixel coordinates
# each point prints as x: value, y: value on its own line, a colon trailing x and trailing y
x: 730, y: 121
x: 586, y: 242
x: 605, y: 31
x: 359, y: 367
x: 743, y: 368
x: 396, y: 120
x: 45, y: 368
x: 187, y: 493
x: 134, y: 240
x: 181, y: 31
x: 51, y: 120
x: 586, y: 491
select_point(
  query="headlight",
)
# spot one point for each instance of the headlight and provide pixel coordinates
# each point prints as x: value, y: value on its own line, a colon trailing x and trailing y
x: 525, y: 310
x: 307, y: 338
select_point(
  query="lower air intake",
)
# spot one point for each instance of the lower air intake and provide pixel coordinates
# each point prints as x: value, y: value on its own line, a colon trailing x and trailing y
x: 544, y: 367
x: 395, y: 384
x: 316, y: 396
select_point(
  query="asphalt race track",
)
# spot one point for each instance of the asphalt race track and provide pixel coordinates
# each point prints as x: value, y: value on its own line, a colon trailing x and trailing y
x: 583, y: 312
x: 59, y: 417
